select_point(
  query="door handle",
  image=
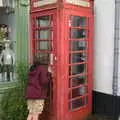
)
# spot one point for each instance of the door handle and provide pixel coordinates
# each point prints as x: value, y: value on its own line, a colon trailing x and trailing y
x: 51, y: 59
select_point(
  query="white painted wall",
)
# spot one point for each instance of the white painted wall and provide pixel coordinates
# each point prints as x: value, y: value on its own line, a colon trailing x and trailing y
x: 104, y: 45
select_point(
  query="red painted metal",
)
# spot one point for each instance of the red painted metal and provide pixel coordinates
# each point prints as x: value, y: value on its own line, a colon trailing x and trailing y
x: 64, y: 93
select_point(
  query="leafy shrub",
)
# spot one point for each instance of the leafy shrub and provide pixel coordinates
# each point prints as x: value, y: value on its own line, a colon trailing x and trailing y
x: 13, y: 104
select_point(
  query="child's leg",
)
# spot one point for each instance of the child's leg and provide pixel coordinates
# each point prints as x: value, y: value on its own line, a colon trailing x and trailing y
x: 36, y: 116
x: 30, y: 117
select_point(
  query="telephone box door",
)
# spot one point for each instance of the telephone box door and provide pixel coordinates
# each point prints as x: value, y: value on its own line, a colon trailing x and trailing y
x: 43, y: 45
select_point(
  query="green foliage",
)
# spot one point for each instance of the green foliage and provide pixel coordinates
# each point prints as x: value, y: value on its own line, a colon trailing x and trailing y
x: 13, y: 104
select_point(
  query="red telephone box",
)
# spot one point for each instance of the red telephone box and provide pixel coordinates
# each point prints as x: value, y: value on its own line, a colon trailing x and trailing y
x: 62, y: 32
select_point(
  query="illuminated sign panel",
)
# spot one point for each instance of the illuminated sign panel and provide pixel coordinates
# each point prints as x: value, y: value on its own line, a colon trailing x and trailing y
x: 79, y: 2
x: 43, y: 2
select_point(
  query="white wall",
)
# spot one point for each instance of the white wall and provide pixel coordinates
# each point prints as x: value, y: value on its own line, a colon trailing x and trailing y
x: 104, y: 45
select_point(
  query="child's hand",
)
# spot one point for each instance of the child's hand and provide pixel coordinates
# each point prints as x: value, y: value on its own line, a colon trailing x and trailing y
x: 50, y: 69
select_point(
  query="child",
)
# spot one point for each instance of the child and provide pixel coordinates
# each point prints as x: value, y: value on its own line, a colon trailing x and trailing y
x: 37, y: 88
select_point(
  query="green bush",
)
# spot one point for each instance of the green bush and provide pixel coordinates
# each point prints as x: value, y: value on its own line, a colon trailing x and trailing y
x: 13, y: 104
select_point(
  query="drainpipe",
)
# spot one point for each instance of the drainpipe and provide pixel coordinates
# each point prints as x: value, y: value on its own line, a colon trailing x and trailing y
x: 116, y: 51
x: 116, y: 76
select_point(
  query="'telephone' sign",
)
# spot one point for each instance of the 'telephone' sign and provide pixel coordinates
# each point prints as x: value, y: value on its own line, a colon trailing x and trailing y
x: 79, y: 2
x: 43, y: 2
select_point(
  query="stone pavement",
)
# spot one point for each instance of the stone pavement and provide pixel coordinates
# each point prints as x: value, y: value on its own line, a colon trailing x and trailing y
x: 96, y: 117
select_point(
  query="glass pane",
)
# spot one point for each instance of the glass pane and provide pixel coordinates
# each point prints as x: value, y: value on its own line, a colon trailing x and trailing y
x: 80, y: 80
x: 69, y: 83
x: 78, y: 69
x: 79, y: 57
x: 69, y: 105
x: 78, y: 33
x: 77, y: 45
x: 69, y: 94
x: 78, y: 21
x: 44, y: 45
x: 79, y: 103
x: 43, y: 21
x: 79, y: 91
x: 85, y: 99
x: 44, y: 34
x: 7, y: 58
x: 70, y: 70
x: 69, y: 58
x: 44, y: 57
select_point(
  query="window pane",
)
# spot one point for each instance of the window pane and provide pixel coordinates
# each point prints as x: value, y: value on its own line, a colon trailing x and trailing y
x: 80, y: 80
x: 7, y: 58
x: 85, y: 99
x: 69, y: 83
x: 78, y: 33
x: 78, y: 69
x: 78, y: 21
x: 77, y: 45
x: 76, y: 81
x: 70, y: 70
x: 43, y: 21
x: 69, y: 58
x: 69, y: 94
x: 79, y: 57
x: 44, y: 57
x: 79, y: 91
x: 44, y: 34
x: 69, y: 105
x: 44, y: 45
x: 79, y: 103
